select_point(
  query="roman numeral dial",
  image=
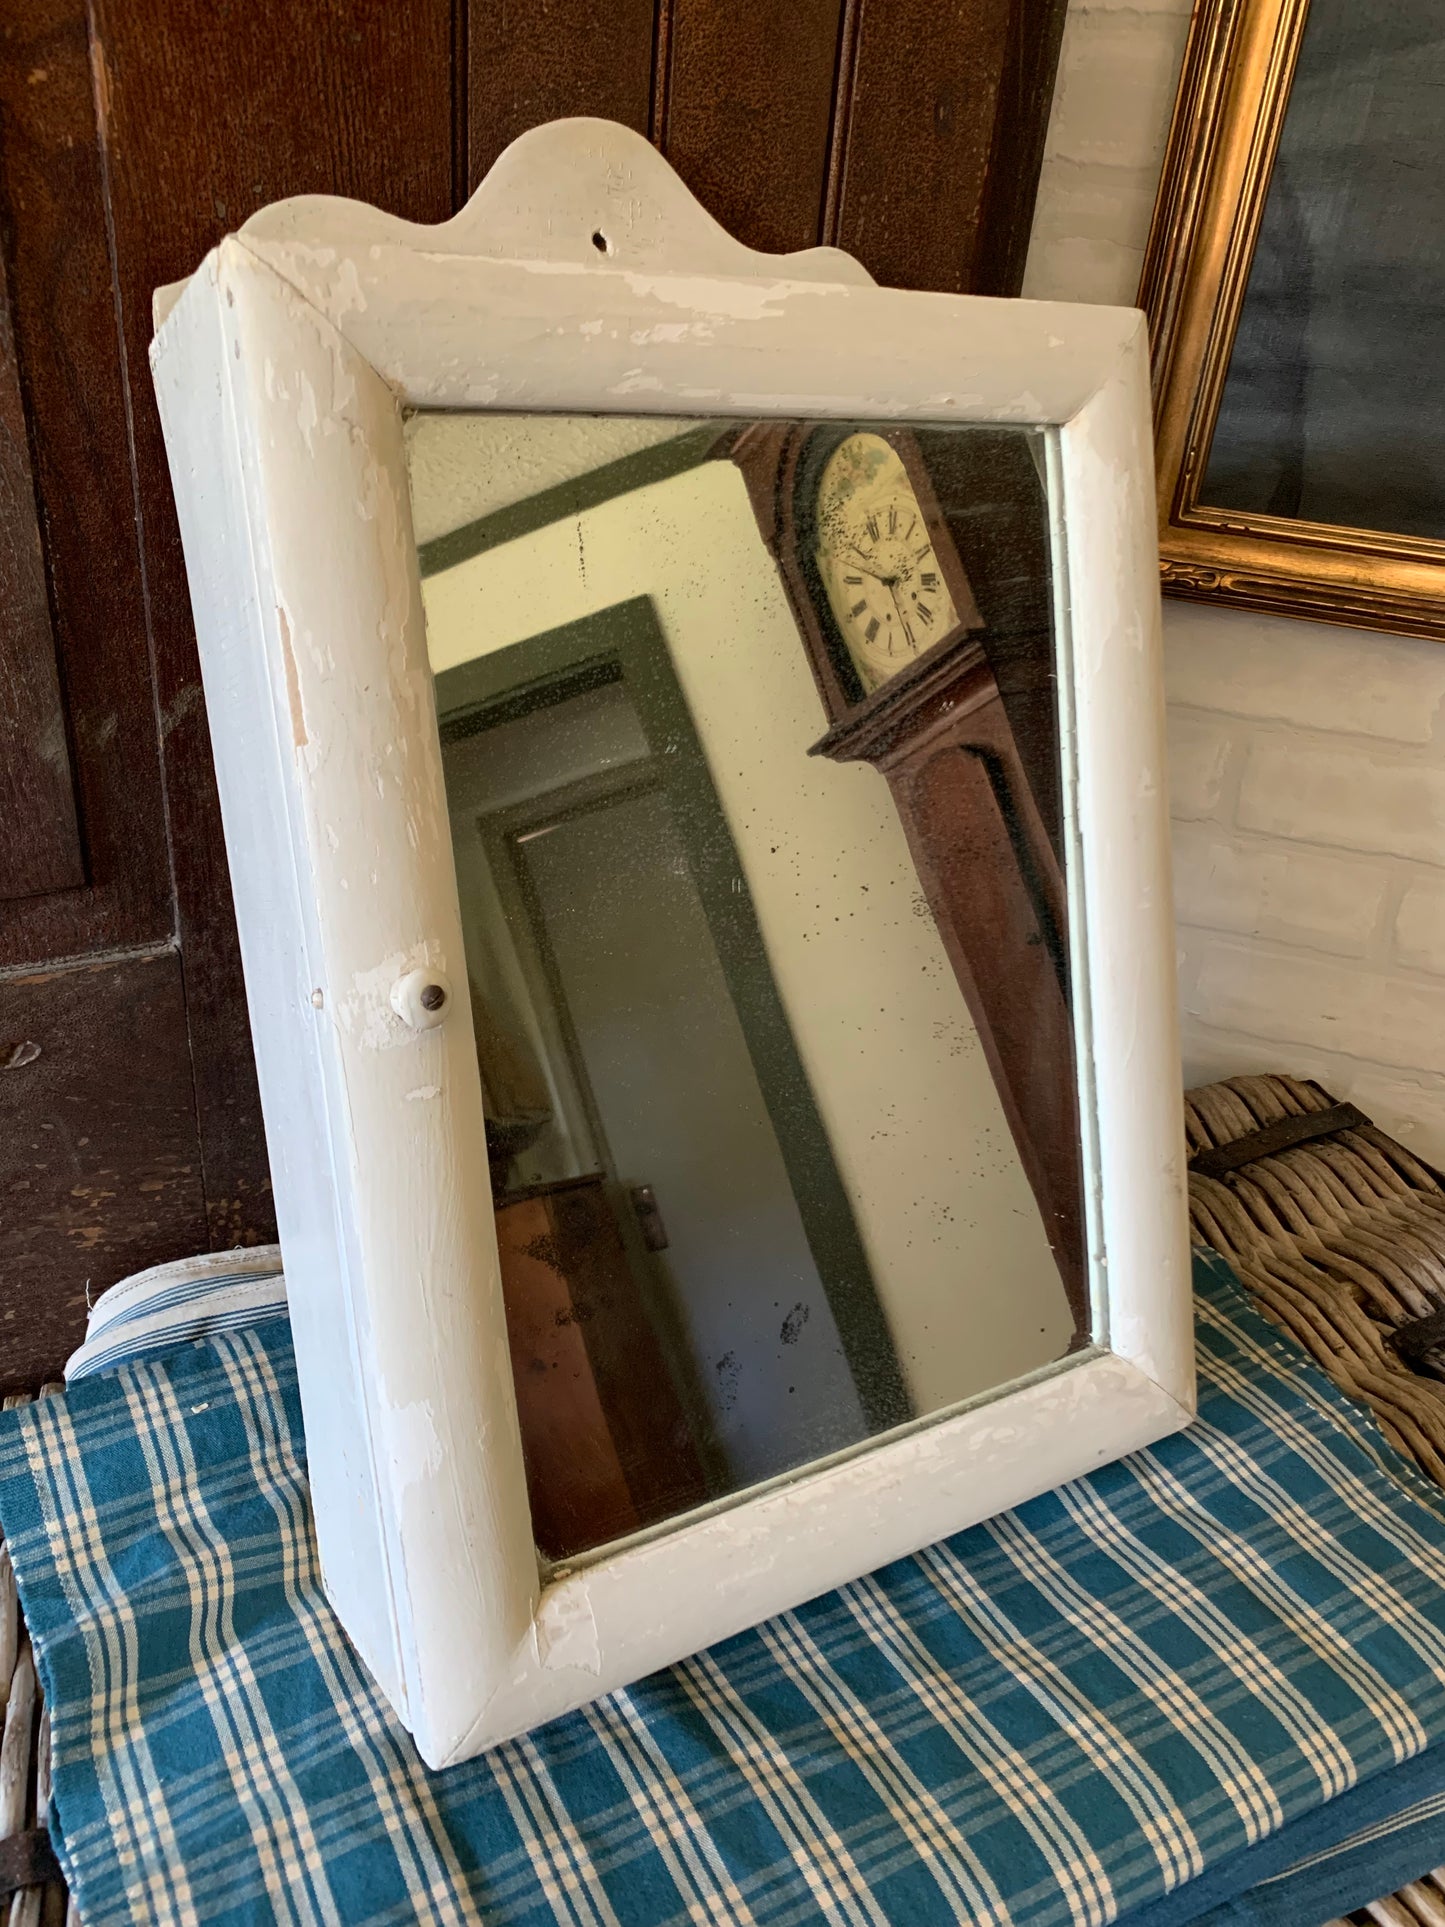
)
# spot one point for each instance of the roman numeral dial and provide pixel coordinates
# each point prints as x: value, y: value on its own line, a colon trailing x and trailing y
x: 877, y: 561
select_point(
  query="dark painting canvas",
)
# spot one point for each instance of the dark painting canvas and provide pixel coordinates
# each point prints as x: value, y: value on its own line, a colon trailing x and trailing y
x: 1333, y: 408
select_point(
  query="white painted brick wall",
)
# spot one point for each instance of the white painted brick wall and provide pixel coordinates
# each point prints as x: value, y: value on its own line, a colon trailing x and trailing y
x: 1420, y: 926
x: 1256, y: 887
x: 1203, y: 765
x: 1307, y: 763
x: 1313, y: 790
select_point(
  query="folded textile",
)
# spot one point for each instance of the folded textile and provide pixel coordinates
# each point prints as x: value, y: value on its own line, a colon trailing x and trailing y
x: 1379, y: 1836
x: 153, y: 1311
x: 1130, y: 1688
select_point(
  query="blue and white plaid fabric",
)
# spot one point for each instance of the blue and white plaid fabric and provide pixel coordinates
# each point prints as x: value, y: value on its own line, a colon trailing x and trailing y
x: 1088, y: 1710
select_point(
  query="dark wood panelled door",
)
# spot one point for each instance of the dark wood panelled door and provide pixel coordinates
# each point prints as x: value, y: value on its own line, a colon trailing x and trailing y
x: 133, y: 137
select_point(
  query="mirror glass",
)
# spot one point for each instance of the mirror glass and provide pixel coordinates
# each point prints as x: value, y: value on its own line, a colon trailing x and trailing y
x: 752, y: 751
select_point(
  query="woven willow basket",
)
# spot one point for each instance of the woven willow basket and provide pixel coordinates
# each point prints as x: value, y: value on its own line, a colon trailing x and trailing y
x: 1339, y: 1234
x: 1337, y: 1231
x: 32, y: 1893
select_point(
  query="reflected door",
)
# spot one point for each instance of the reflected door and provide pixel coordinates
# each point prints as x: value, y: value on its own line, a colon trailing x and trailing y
x: 685, y: 1131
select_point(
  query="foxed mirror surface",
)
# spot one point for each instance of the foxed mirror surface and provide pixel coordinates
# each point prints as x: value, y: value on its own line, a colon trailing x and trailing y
x: 752, y: 751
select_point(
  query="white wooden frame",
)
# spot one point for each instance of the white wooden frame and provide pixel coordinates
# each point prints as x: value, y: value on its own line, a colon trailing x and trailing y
x: 582, y: 277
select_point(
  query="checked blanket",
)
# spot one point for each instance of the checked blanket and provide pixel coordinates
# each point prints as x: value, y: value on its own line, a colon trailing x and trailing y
x: 1169, y: 1692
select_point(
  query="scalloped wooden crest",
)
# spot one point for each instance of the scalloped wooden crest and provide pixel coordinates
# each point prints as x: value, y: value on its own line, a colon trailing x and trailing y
x: 582, y: 193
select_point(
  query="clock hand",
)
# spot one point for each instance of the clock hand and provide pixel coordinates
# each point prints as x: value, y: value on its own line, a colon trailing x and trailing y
x: 902, y: 612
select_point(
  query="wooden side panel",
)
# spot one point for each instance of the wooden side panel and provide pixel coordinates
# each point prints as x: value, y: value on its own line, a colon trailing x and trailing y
x: 997, y: 895
x: 53, y: 210
x: 745, y: 100
x: 645, y: 1414
x: 40, y: 842
x: 100, y: 1167
x: 919, y: 91
x: 576, y: 1486
x: 989, y: 494
x: 99, y: 1163
x: 1021, y: 122
x: 907, y: 131
x: 605, y: 1439
x: 205, y: 117
x: 526, y: 64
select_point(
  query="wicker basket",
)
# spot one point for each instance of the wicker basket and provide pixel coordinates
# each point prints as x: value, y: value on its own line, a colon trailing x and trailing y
x: 32, y: 1894
x: 1337, y: 1231
x: 1339, y: 1234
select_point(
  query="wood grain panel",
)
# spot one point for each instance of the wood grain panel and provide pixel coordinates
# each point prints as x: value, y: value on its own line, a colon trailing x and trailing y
x: 646, y: 1417
x: 99, y: 1160
x: 918, y: 96
x: 39, y: 841
x: 989, y: 495
x: 207, y: 114
x: 575, y: 1482
x: 1025, y: 91
x: 538, y: 61
x: 746, y: 98
x: 982, y: 856
x: 64, y: 328
x: 606, y: 1441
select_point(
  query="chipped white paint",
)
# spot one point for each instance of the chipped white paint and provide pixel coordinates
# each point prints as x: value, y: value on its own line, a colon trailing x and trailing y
x: 567, y: 1630
x: 283, y: 368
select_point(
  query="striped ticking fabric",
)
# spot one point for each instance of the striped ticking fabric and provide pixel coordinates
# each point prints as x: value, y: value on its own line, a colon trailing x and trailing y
x: 154, y: 1311
x: 1060, y: 1718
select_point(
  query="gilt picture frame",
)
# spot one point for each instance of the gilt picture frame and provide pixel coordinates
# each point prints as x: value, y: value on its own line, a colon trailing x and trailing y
x: 583, y: 277
x: 1294, y: 399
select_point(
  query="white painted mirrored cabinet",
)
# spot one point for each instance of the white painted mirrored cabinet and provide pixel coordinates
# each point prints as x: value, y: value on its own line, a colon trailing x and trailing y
x: 689, y: 725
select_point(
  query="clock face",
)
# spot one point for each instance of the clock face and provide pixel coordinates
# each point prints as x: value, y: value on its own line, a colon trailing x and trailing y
x: 876, y: 558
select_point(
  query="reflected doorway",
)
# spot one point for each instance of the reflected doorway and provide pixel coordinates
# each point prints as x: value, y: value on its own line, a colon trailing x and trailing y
x: 680, y: 1262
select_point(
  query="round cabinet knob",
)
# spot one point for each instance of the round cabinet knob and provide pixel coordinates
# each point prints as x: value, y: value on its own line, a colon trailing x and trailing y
x: 422, y: 998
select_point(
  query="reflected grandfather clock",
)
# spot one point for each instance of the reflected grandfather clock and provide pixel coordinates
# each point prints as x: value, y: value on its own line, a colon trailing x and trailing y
x: 897, y: 645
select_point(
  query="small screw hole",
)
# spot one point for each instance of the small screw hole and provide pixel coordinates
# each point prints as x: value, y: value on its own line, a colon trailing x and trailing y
x: 432, y: 997
x: 601, y: 242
